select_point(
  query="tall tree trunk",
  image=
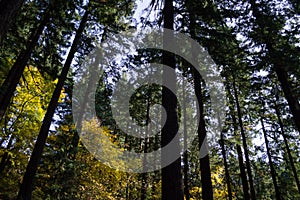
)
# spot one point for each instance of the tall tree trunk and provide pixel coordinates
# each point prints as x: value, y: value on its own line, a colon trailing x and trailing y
x: 185, y: 155
x: 238, y: 147
x: 9, y: 86
x: 8, y: 13
x: 227, y: 175
x: 244, y: 139
x: 27, y: 183
x: 291, y: 160
x: 171, y: 174
x: 273, y: 172
x: 279, y: 67
x: 207, y: 189
x: 146, y: 146
x: 83, y: 105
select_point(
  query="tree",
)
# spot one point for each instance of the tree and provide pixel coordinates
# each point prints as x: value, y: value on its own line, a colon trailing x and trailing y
x: 268, y: 35
x: 20, y: 125
x: 171, y: 174
x: 27, y: 182
x: 8, y: 87
x: 255, y: 44
x: 227, y: 175
x: 273, y: 173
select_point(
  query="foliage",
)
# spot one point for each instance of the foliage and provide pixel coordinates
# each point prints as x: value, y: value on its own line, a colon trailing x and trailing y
x: 254, y: 43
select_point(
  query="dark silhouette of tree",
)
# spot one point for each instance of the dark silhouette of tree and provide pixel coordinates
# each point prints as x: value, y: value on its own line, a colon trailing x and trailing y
x: 25, y: 191
x: 238, y: 147
x: 9, y: 86
x: 244, y: 139
x: 273, y: 172
x: 281, y: 65
x: 171, y: 174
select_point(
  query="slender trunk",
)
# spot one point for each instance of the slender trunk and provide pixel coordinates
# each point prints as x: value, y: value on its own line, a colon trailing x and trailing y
x: 238, y: 147
x: 291, y: 160
x: 9, y: 86
x: 156, y: 176
x: 171, y: 174
x: 227, y: 175
x: 273, y: 172
x: 244, y: 139
x: 83, y: 104
x: 207, y: 189
x: 145, y: 161
x: 8, y: 12
x: 185, y: 155
x: 27, y: 183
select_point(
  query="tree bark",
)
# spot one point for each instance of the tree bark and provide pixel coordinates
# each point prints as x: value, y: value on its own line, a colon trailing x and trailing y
x: 171, y: 174
x: 27, y: 183
x: 8, y: 12
x: 9, y: 86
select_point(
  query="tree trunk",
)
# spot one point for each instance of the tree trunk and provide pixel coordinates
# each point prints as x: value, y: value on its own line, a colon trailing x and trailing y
x: 287, y: 144
x: 146, y: 146
x: 8, y: 12
x: 171, y: 174
x: 238, y: 147
x: 185, y: 155
x: 227, y: 176
x: 279, y: 68
x: 244, y: 139
x: 9, y: 86
x: 273, y: 172
x: 83, y: 104
x: 207, y: 189
x: 27, y: 183
x: 287, y: 90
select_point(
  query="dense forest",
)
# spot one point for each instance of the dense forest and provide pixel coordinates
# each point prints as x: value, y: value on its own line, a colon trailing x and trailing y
x: 55, y: 145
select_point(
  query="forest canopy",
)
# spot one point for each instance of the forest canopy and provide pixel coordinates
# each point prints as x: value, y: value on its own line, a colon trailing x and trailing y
x: 167, y: 139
